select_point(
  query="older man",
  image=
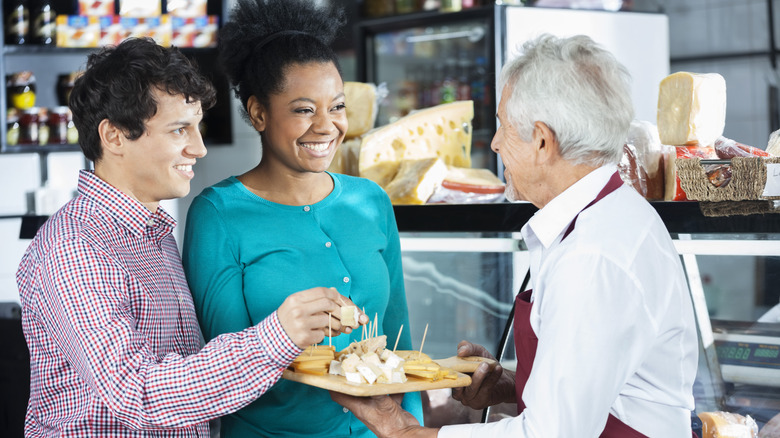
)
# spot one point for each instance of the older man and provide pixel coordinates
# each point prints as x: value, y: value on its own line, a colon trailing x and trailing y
x: 606, y: 339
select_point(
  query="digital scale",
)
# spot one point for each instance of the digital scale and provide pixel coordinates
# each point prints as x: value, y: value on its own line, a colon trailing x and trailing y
x: 748, y: 352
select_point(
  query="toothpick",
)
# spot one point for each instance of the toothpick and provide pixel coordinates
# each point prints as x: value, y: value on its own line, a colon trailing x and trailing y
x: 376, y: 326
x: 398, y: 337
x: 423, y: 342
x: 329, y: 329
x: 363, y: 336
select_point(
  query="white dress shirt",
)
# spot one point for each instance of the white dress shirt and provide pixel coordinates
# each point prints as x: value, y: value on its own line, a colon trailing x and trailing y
x: 614, y: 318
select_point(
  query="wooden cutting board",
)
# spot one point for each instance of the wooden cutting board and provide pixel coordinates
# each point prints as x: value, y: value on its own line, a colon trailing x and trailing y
x: 339, y: 383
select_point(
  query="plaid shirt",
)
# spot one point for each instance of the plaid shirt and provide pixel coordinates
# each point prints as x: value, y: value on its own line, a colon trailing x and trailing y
x: 115, y: 346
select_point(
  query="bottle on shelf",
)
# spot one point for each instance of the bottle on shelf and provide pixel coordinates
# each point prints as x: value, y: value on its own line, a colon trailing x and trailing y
x: 20, y: 89
x: 44, y: 23
x: 17, y: 24
x: 451, y: 6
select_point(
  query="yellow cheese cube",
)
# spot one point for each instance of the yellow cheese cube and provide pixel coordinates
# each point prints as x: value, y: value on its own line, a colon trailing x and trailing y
x: 361, y: 107
x: 416, y: 181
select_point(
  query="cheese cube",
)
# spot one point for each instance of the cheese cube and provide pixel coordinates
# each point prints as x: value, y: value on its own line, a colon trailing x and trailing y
x: 368, y: 373
x: 416, y: 181
x: 442, y: 131
x: 349, y: 316
x: 361, y: 107
x: 335, y: 368
x: 354, y: 378
x: 691, y: 108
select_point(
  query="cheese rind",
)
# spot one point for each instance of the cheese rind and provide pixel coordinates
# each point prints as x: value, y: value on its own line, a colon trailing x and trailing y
x: 691, y: 108
x: 442, y: 131
x: 416, y: 181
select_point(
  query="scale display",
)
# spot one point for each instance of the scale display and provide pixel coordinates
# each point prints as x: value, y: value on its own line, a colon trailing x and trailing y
x: 748, y: 354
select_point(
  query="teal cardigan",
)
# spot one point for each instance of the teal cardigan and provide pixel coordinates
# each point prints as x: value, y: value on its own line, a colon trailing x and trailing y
x: 243, y: 255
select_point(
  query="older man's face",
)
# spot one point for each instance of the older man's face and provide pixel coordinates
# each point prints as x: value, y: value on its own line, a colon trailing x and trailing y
x: 515, y: 154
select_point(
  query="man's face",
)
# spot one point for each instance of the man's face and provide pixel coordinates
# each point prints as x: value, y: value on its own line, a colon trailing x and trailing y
x: 516, y: 154
x: 158, y: 165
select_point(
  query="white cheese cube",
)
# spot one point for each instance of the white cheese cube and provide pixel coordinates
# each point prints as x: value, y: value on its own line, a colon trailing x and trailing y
x: 354, y: 378
x: 335, y: 368
x: 367, y: 373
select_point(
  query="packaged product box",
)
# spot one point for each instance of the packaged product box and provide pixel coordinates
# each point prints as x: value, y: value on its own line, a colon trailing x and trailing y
x: 110, y: 30
x: 96, y: 8
x: 140, y: 8
x: 194, y: 31
x: 78, y: 31
x: 157, y: 28
x: 186, y: 8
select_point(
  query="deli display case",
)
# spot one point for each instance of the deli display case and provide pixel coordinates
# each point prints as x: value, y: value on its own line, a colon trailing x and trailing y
x: 463, y: 265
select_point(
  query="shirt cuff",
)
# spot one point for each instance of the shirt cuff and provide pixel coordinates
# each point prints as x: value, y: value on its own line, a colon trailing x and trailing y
x: 456, y: 431
x: 275, y: 342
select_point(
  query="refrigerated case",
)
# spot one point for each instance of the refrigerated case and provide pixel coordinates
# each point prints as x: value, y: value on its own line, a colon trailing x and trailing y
x: 430, y: 58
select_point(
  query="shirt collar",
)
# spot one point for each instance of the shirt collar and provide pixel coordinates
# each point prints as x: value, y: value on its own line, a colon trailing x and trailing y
x: 126, y: 210
x: 551, y: 221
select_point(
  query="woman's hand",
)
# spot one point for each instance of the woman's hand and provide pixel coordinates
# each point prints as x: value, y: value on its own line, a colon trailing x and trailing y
x: 305, y: 315
x: 489, y: 385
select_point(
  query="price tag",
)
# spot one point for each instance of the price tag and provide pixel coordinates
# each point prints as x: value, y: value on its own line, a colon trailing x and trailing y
x: 772, y: 187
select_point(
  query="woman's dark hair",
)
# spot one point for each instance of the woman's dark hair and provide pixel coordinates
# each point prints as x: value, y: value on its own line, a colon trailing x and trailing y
x: 264, y: 37
x: 118, y: 84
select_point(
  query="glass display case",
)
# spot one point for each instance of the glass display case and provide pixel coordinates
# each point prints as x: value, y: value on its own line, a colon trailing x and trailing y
x: 463, y: 265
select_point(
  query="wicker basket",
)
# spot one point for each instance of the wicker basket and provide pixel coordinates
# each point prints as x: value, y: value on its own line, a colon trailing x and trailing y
x: 748, y: 179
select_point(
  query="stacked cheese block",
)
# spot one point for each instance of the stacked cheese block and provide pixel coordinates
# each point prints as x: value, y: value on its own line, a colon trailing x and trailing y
x: 412, y: 157
x: 721, y: 424
x: 691, y: 116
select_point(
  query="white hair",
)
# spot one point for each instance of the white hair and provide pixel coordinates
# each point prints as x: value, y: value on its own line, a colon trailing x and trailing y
x: 576, y: 88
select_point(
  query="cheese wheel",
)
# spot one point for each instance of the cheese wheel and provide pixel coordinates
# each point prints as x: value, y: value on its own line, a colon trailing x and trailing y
x: 691, y: 108
x: 442, y: 131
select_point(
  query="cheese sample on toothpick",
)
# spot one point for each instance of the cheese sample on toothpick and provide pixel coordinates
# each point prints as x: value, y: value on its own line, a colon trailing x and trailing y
x: 691, y: 108
x: 361, y: 107
x: 416, y: 181
x: 349, y: 316
x: 442, y: 131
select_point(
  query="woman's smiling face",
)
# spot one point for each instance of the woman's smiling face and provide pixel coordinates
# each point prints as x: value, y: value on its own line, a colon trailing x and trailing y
x: 306, y: 122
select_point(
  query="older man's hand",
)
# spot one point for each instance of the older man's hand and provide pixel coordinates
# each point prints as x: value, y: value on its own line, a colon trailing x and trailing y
x: 489, y: 385
x: 384, y: 416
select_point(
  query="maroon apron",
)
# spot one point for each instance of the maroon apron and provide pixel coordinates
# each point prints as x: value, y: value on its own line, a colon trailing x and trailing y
x: 526, y: 340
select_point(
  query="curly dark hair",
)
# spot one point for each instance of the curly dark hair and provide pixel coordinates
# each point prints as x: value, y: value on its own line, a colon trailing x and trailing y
x: 264, y: 37
x: 118, y: 84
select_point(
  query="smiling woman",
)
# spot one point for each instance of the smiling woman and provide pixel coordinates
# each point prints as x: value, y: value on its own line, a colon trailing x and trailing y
x: 253, y: 239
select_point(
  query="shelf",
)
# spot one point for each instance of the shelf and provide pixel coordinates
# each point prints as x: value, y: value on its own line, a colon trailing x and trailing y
x: 27, y: 149
x: 679, y: 217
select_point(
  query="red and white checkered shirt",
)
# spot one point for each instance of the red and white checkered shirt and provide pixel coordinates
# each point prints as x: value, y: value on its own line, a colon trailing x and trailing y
x: 115, y: 346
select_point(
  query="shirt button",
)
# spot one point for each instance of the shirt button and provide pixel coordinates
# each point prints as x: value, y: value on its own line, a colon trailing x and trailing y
x: 150, y: 222
x: 345, y: 410
x: 328, y: 244
x: 346, y: 279
x: 306, y: 208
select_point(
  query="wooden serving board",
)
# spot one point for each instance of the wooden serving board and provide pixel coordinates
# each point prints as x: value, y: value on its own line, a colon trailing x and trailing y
x: 339, y: 383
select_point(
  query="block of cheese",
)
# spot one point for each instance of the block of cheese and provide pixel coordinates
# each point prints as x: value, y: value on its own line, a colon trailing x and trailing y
x: 464, y: 185
x: 442, y: 131
x: 361, y: 107
x: 691, y: 108
x: 721, y: 424
x: 416, y: 180
x: 773, y: 145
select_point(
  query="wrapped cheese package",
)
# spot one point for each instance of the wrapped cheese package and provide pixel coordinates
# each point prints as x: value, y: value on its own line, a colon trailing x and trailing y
x: 721, y: 424
x: 468, y: 186
x: 673, y: 189
x: 691, y: 108
x: 642, y: 163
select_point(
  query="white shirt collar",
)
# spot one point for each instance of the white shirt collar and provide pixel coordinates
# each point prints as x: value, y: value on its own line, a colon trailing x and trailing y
x: 549, y: 222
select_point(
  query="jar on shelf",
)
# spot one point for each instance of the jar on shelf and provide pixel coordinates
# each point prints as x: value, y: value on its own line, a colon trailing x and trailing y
x: 65, y: 83
x: 44, y: 24
x: 20, y: 87
x: 17, y: 23
x: 28, y: 127
x: 58, y: 125
x: 12, y: 127
x: 43, y: 126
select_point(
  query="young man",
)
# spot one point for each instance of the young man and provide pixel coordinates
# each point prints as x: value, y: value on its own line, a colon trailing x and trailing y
x: 606, y: 341
x: 114, y: 343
